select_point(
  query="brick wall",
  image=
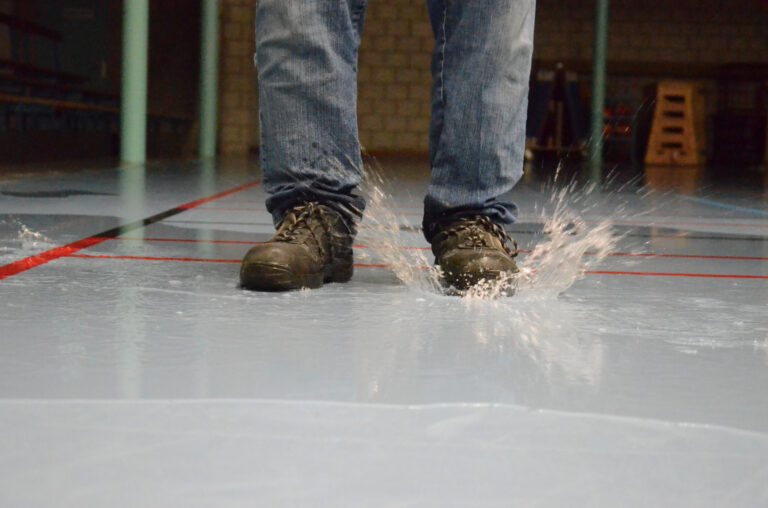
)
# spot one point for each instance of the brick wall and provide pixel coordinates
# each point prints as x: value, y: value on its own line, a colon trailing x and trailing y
x: 708, y: 32
x: 394, y: 78
x: 697, y: 31
x: 238, y: 88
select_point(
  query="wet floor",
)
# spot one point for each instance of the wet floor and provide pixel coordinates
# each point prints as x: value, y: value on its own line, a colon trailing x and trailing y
x: 134, y: 371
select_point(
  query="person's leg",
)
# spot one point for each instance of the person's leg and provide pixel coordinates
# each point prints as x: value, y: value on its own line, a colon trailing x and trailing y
x: 306, y: 54
x: 481, y: 68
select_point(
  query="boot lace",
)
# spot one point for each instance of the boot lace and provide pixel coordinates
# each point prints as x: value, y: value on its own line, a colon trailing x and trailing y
x: 475, y: 231
x: 297, y: 223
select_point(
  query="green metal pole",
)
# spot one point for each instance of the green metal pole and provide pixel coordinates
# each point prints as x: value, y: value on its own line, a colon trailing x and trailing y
x: 133, y: 118
x: 598, y: 92
x: 209, y: 74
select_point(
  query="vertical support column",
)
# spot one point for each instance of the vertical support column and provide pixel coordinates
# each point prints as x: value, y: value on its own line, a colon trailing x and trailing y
x: 133, y: 117
x: 598, y: 92
x: 209, y: 75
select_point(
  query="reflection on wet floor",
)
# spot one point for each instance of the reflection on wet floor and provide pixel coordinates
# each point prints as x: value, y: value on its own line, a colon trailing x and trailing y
x: 685, y: 179
x: 655, y: 346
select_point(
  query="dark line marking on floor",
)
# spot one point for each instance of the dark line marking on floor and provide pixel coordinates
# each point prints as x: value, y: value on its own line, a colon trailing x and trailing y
x: 590, y: 272
x: 68, y: 250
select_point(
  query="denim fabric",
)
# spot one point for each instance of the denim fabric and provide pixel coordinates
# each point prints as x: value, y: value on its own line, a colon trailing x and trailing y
x: 307, y: 63
x: 306, y: 55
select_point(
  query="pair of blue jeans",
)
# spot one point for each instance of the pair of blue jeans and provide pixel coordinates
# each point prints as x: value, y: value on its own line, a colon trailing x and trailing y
x: 306, y: 55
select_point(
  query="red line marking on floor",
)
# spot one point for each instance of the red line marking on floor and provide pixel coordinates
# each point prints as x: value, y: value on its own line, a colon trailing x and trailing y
x: 195, y: 204
x: 590, y: 272
x: 68, y: 250
x: 680, y: 256
x: 150, y: 258
x: 48, y: 256
x: 613, y: 254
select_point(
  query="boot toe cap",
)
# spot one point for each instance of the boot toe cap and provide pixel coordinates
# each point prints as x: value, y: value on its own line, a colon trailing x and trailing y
x: 279, y: 267
x: 464, y: 269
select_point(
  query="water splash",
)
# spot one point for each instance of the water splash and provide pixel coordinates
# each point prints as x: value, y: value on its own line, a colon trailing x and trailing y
x: 21, y: 241
x: 567, y: 247
x: 32, y: 239
x: 385, y: 230
x: 560, y: 258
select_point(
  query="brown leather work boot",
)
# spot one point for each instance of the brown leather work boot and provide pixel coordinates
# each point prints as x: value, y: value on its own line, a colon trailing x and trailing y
x: 312, y: 245
x: 472, y: 250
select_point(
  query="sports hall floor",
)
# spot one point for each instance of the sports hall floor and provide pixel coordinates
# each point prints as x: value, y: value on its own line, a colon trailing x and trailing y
x: 134, y: 371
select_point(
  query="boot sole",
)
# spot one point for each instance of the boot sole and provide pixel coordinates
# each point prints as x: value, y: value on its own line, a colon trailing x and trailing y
x: 340, y: 273
x: 260, y: 277
x: 461, y: 282
x: 264, y: 277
